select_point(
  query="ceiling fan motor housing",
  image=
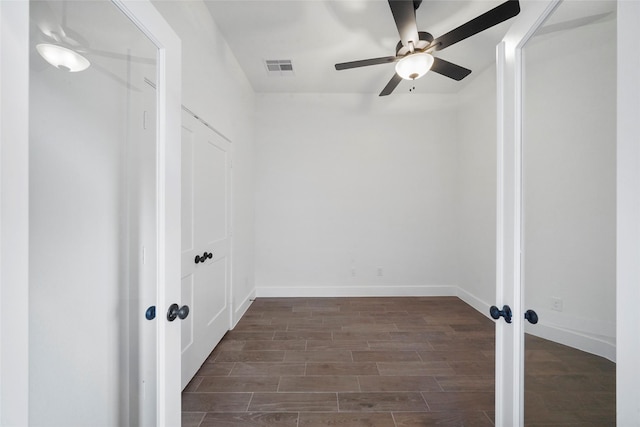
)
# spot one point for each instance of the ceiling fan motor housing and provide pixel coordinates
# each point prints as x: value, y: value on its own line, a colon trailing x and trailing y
x: 425, y: 41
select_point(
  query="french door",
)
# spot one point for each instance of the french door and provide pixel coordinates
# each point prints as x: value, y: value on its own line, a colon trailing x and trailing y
x: 510, y: 336
x: 102, y: 176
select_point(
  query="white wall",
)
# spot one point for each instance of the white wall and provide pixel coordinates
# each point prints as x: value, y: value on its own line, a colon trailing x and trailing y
x: 216, y: 89
x: 348, y: 184
x: 570, y: 185
x: 476, y: 191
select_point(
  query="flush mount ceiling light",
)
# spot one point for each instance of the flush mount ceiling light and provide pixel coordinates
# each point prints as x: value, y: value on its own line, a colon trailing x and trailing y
x: 63, y: 58
x: 414, y: 66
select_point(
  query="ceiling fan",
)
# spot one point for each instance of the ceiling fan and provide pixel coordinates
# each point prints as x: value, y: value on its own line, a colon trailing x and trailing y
x: 414, y: 53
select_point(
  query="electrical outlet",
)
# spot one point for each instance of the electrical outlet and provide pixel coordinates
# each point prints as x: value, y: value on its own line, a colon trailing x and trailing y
x: 379, y: 271
x: 556, y: 304
x: 353, y: 272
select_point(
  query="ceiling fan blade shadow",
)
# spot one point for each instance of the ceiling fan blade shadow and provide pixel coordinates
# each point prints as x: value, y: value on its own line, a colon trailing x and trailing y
x: 122, y: 56
x: 569, y: 25
x: 495, y: 16
x: 366, y: 62
x: 404, y: 14
x: 393, y: 83
x: 449, y: 69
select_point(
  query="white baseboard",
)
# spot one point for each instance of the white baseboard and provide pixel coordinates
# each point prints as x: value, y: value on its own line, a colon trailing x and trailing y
x: 588, y: 343
x: 474, y: 302
x: 356, y: 291
x: 242, y: 308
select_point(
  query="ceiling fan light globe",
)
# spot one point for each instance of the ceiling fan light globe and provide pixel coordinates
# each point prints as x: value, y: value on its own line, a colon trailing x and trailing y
x: 414, y: 66
x: 63, y: 58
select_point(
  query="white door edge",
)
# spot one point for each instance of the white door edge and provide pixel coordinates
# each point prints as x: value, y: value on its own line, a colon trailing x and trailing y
x: 14, y: 213
x: 168, y: 82
x: 628, y: 215
x: 510, y: 337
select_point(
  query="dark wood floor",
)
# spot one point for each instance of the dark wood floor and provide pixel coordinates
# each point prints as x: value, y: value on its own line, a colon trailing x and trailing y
x: 382, y: 362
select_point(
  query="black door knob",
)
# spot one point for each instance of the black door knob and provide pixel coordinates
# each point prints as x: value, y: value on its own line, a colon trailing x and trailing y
x: 172, y: 313
x: 531, y: 316
x: 496, y: 313
x: 176, y: 311
x: 183, y: 312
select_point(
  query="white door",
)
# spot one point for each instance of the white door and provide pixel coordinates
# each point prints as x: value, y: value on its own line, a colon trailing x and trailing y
x: 510, y: 336
x: 206, y: 161
x: 17, y: 214
x: 509, y: 366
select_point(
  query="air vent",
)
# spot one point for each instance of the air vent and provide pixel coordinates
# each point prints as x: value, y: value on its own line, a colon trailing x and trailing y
x: 279, y: 67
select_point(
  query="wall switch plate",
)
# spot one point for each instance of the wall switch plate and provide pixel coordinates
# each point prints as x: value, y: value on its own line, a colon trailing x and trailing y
x: 556, y: 304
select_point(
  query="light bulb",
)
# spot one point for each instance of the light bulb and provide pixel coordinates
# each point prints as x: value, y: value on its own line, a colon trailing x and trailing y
x: 414, y: 66
x: 63, y: 58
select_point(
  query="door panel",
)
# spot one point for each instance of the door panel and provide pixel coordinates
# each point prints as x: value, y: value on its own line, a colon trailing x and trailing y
x: 569, y: 217
x: 206, y: 241
x: 93, y: 222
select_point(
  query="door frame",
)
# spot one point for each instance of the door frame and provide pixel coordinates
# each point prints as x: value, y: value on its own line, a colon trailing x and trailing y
x: 14, y: 206
x: 510, y: 338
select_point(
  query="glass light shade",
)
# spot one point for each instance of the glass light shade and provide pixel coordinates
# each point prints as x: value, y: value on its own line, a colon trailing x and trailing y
x: 63, y: 58
x: 414, y: 66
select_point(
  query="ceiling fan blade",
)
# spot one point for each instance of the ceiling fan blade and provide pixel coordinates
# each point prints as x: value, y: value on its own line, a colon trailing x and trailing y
x: 449, y: 69
x: 366, y: 62
x: 393, y: 83
x: 404, y: 13
x: 487, y: 20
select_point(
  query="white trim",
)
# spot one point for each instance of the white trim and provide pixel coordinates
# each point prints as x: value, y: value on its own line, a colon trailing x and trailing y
x: 590, y: 344
x: 146, y: 17
x: 475, y: 302
x: 356, y: 291
x: 628, y: 215
x: 242, y: 308
x: 14, y: 213
x: 510, y: 337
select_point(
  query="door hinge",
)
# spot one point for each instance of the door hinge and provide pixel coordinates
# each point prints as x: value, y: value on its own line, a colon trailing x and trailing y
x: 144, y: 120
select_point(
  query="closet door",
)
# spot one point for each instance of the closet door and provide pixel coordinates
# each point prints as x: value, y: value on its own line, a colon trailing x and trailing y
x: 206, y: 241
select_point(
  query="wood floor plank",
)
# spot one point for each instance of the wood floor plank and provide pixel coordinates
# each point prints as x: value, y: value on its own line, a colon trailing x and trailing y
x: 442, y: 419
x: 398, y: 383
x: 381, y: 402
x: 342, y: 368
x: 250, y: 419
x: 293, y: 402
x: 254, y: 369
x: 327, y: 383
x: 348, y: 419
x: 215, y: 402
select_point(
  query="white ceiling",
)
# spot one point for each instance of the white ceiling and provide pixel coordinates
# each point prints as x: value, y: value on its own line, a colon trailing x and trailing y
x: 316, y: 34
